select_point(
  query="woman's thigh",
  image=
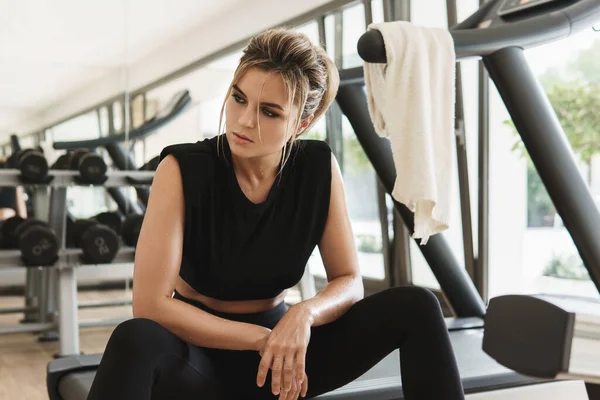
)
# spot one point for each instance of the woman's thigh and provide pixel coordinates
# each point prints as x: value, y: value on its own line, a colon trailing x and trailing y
x: 191, y: 374
x: 144, y: 360
x: 238, y: 371
x: 343, y: 350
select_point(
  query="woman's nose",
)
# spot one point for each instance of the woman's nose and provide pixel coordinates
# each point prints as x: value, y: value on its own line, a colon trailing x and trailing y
x: 248, y: 117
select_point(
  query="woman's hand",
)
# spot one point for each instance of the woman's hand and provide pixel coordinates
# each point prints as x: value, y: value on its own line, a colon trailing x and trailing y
x: 284, y: 352
x: 298, y: 390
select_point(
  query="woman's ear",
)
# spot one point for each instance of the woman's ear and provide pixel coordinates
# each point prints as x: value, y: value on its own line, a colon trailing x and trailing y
x: 306, y: 122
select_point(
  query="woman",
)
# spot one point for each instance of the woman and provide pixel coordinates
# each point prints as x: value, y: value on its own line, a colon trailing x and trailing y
x: 230, y: 225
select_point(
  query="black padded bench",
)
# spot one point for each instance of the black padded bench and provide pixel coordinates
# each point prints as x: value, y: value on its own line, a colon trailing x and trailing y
x: 70, y: 378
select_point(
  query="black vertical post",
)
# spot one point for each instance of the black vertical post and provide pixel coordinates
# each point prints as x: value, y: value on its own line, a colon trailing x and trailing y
x: 462, y: 161
x: 549, y: 150
x: 14, y: 143
x: 483, y: 220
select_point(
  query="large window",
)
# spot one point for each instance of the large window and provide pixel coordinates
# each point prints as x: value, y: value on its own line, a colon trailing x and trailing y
x: 377, y: 11
x: 543, y: 257
x: 359, y: 177
x: 80, y: 128
x: 431, y: 13
x: 360, y: 183
x: 353, y: 28
x: 311, y: 30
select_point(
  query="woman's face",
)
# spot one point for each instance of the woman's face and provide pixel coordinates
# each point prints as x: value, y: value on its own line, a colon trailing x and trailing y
x: 244, y: 112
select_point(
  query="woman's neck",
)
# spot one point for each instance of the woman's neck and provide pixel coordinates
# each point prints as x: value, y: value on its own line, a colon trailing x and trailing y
x: 258, y: 170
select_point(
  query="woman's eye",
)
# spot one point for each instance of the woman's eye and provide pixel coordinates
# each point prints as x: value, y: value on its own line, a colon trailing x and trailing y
x: 238, y: 98
x: 270, y: 114
x: 266, y: 111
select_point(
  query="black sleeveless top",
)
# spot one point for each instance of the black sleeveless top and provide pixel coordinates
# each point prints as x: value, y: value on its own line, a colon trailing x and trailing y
x: 236, y: 250
x: 8, y: 197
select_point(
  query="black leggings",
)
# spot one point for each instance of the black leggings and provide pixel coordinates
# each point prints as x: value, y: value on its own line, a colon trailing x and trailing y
x: 143, y: 360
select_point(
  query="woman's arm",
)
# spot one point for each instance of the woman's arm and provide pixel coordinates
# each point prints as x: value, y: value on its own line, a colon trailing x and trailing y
x: 20, y: 201
x: 344, y: 287
x: 6, y: 213
x: 156, y: 268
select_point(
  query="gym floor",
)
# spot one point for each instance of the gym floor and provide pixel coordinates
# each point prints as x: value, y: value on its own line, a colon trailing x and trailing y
x: 23, y: 359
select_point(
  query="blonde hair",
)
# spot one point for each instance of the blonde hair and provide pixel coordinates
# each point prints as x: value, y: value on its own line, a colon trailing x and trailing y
x: 310, y: 77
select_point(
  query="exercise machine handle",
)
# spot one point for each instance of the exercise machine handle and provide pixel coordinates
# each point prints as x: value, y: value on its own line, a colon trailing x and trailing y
x: 471, y: 42
x: 178, y: 103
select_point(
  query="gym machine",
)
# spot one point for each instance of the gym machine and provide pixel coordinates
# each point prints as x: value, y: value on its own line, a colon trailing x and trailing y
x: 514, y: 322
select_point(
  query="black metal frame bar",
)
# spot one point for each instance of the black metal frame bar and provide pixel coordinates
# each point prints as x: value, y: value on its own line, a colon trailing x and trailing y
x: 386, y: 243
x: 526, y: 33
x: 462, y: 162
x: 368, y: 12
x: 334, y: 115
x: 399, y: 10
x: 482, y: 263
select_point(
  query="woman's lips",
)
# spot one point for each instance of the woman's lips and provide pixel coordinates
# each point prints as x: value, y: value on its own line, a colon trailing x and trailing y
x: 242, y: 138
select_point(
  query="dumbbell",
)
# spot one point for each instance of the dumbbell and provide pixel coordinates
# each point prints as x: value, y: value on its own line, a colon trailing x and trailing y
x: 91, y: 166
x: 99, y: 243
x: 112, y: 219
x: 31, y: 162
x: 130, y: 230
x: 151, y: 165
x: 37, y: 242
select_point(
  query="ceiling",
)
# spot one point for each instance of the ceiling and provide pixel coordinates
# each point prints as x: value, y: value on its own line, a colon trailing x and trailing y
x: 49, y: 49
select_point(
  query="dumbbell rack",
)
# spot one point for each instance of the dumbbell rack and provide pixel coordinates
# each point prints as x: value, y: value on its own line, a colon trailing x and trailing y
x: 58, y: 283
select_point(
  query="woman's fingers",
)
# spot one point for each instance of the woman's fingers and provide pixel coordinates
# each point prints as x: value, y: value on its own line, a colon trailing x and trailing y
x: 294, y: 394
x: 263, y: 368
x: 300, y: 365
x: 304, y: 388
x: 291, y: 394
x: 289, y: 366
x: 276, y: 372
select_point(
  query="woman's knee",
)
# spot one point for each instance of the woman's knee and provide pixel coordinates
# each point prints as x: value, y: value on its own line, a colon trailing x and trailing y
x: 414, y: 299
x: 137, y: 333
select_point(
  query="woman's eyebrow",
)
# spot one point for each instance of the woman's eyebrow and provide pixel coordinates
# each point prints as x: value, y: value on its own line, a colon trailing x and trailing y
x: 274, y: 105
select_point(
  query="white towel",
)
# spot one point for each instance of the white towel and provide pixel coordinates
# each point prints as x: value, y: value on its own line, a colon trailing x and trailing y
x: 411, y: 102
